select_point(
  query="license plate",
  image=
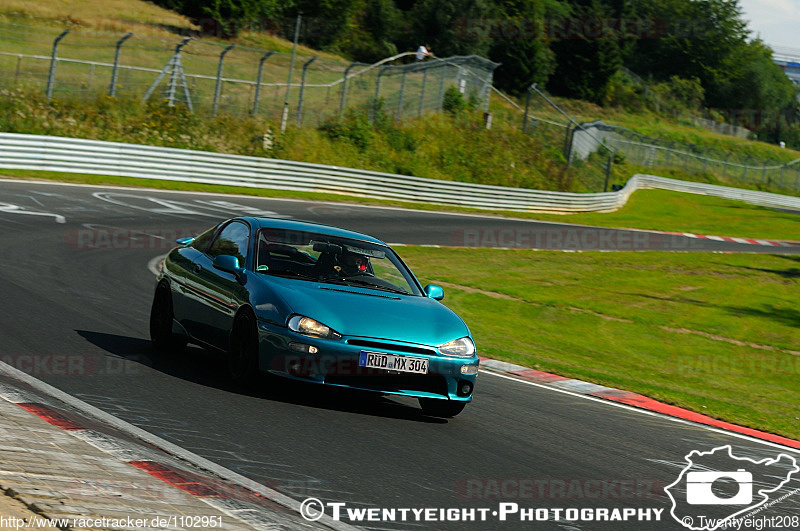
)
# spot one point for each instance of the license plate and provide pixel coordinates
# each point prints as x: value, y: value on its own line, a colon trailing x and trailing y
x: 391, y: 362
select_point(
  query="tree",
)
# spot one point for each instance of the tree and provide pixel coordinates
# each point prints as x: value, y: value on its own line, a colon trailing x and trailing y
x: 521, y: 46
x: 442, y: 24
x: 586, y: 59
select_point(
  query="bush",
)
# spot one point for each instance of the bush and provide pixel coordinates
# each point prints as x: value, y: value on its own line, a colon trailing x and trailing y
x: 354, y: 129
x: 453, y: 101
x: 679, y: 93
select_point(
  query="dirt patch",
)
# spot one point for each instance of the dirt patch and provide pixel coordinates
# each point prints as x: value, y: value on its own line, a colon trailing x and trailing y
x: 496, y: 295
x: 729, y: 340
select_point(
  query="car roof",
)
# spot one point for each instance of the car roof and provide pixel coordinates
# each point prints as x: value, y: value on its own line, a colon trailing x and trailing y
x: 309, y: 226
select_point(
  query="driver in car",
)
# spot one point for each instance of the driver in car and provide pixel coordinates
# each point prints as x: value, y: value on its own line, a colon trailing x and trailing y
x: 354, y: 263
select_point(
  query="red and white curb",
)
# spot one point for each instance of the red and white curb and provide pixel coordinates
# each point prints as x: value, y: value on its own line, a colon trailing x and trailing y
x: 748, y: 241
x: 626, y: 397
x: 222, y: 489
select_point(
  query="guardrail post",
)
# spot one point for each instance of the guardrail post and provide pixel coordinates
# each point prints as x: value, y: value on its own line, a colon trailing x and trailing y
x: 402, y: 93
x: 218, y: 85
x: 303, y: 90
x: 112, y: 88
x: 422, y: 92
x: 51, y: 77
x: 258, y: 79
x: 344, y: 89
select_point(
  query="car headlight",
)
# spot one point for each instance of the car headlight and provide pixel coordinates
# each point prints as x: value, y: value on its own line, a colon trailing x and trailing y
x: 309, y: 327
x: 463, y: 348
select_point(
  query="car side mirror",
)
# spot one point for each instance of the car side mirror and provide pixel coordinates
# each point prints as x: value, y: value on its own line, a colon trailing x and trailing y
x: 434, y: 292
x: 229, y: 264
x: 184, y: 241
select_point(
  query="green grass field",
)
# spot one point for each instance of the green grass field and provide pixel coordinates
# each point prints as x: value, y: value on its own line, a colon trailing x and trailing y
x: 715, y: 333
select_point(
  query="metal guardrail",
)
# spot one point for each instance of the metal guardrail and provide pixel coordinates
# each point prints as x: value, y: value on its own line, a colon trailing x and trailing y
x: 60, y: 154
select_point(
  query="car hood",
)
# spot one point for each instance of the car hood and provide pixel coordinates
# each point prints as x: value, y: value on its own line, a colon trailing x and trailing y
x: 356, y: 311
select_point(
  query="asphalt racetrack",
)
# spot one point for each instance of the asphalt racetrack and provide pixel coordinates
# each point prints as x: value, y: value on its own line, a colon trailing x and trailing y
x: 76, y: 295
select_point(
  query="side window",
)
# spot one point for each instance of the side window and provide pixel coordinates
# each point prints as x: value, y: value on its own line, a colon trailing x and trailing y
x: 232, y: 240
x: 202, y: 240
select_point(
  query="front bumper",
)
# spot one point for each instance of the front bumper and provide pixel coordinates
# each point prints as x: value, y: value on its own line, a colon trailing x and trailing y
x: 335, y: 363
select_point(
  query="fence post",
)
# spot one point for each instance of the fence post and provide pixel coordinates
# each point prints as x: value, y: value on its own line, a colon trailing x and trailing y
x: 567, y: 136
x: 258, y: 80
x: 16, y: 72
x: 218, y: 85
x: 568, y: 154
x: 303, y: 90
x: 285, y: 113
x: 608, y: 170
x: 527, y: 106
x: 51, y: 77
x: 377, y: 93
x: 402, y: 92
x: 175, y: 69
x: 422, y: 91
x: 344, y: 90
x: 112, y: 89
x: 441, y: 87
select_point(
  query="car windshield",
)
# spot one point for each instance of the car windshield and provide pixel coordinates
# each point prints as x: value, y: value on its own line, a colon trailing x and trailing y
x: 332, y: 260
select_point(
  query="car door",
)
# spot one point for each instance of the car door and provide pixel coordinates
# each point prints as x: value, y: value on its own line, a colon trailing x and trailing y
x: 219, y: 290
x: 188, y: 302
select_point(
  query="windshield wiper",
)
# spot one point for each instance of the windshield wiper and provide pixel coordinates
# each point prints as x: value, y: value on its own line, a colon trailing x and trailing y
x: 368, y: 284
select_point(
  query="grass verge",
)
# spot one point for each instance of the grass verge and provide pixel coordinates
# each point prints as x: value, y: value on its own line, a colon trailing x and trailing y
x: 646, y: 209
x: 716, y: 334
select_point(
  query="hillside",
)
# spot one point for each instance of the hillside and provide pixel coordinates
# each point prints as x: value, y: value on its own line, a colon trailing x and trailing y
x: 452, y: 146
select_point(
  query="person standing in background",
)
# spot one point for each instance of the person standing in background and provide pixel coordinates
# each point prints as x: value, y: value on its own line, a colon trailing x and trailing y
x: 424, y: 51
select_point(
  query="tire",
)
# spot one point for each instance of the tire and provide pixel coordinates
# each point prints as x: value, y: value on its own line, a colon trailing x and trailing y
x: 436, y: 407
x: 243, y: 353
x: 164, y: 342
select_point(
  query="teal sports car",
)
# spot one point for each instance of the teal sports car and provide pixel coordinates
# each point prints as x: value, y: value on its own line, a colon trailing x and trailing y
x: 314, y: 303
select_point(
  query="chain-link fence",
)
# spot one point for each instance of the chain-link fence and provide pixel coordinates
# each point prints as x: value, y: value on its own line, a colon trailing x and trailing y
x: 210, y: 77
x: 600, y: 154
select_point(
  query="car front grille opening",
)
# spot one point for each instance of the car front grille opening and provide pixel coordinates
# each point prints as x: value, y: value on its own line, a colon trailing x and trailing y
x: 382, y: 380
x: 391, y: 347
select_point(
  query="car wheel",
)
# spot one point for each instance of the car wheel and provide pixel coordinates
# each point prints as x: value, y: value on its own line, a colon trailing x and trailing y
x: 243, y: 354
x: 163, y: 340
x: 436, y: 407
